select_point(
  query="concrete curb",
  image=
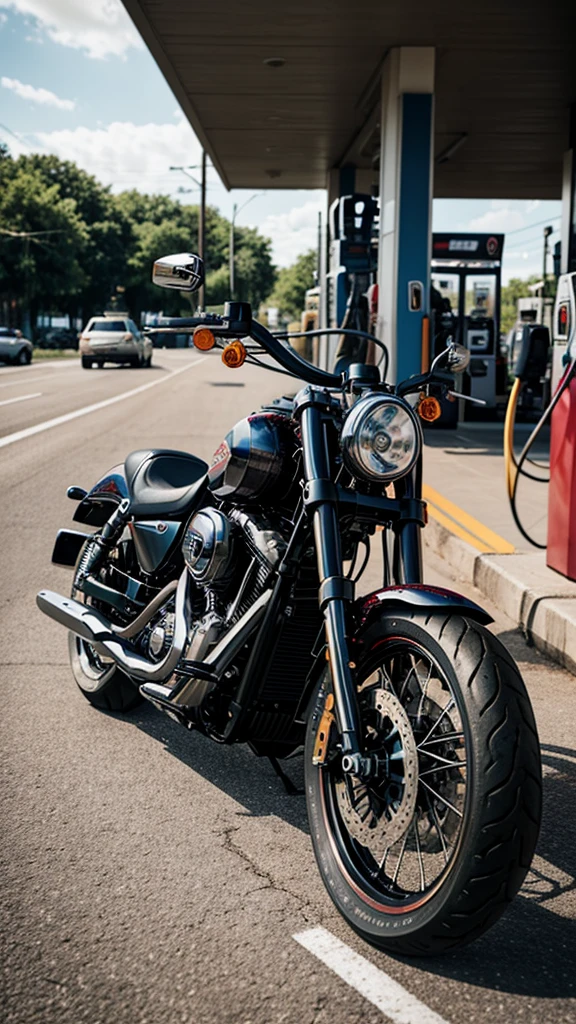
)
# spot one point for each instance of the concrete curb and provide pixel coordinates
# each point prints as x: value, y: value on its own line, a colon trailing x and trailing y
x: 540, y: 601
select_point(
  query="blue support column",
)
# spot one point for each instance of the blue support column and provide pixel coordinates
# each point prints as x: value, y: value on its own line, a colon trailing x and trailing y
x: 406, y: 179
x: 413, y: 230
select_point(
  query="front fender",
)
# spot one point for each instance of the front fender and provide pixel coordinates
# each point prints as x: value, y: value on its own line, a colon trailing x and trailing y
x: 418, y: 596
x: 98, y: 505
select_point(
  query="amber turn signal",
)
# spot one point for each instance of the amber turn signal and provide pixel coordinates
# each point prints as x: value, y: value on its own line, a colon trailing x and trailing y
x: 234, y: 354
x: 429, y: 409
x: 203, y: 339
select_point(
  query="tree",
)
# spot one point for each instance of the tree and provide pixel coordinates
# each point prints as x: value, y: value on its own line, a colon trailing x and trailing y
x: 291, y: 285
x: 41, y: 243
x: 101, y: 245
x: 511, y: 292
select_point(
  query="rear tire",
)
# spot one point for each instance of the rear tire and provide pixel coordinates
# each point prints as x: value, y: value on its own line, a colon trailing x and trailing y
x: 101, y: 682
x: 86, y: 362
x: 103, y: 685
x: 477, y: 868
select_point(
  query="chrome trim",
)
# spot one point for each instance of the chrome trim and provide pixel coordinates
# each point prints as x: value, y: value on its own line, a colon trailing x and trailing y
x: 93, y: 627
x: 190, y: 692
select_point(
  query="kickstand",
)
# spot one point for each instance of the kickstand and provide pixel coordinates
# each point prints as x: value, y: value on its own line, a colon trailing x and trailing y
x: 289, y: 786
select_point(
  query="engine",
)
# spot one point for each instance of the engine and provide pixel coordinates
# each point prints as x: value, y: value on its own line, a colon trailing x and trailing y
x: 231, y: 557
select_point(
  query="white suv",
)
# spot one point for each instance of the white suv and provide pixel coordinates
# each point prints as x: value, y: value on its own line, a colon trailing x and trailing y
x: 114, y: 339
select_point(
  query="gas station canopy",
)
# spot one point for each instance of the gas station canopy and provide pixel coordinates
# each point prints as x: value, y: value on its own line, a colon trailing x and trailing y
x: 279, y: 94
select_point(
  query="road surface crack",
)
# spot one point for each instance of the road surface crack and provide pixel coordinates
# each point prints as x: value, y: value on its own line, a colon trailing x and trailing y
x: 270, y: 882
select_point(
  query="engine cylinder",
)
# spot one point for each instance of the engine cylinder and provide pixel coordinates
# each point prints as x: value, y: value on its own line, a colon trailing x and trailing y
x: 207, y: 545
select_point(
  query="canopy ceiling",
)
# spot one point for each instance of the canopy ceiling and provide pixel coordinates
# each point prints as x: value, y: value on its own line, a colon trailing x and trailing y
x: 505, y: 80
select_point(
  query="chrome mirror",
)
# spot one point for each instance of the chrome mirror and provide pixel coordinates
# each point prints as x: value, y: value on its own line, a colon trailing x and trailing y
x: 184, y: 271
x: 458, y: 358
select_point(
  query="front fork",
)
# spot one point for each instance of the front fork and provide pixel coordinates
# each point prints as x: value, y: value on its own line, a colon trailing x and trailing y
x: 336, y: 591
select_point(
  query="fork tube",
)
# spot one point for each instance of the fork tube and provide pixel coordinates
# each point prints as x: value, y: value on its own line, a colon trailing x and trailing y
x: 408, y: 536
x: 335, y: 589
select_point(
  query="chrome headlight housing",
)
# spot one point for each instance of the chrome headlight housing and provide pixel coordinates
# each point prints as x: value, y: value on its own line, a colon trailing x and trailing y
x: 381, y: 438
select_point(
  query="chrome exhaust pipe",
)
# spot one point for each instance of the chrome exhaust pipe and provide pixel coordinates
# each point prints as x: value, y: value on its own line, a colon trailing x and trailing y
x: 89, y: 624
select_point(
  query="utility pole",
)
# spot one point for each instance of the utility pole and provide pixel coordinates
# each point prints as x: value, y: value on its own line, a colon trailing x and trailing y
x: 202, y: 228
x: 235, y: 211
x: 201, y: 215
x: 547, y: 232
x: 232, y: 222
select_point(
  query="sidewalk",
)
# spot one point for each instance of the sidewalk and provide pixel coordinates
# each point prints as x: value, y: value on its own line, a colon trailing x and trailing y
x: 471, y: 526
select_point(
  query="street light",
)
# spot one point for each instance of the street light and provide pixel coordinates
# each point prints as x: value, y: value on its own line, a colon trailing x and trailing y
x: 235, y: 211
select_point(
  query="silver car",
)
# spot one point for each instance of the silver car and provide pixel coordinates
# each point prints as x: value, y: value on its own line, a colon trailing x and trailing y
x: 14, y: 348
x: 114, y: 339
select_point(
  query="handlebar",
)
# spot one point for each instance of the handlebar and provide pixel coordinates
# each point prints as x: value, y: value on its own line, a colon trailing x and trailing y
x: 227, y: 327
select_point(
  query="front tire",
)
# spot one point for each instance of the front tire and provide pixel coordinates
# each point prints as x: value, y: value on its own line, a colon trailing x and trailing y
x: 428, y: 856
x: 86, y: 363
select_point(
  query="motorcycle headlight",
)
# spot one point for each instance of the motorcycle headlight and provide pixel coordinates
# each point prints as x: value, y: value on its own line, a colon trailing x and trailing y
x: 381, y: 438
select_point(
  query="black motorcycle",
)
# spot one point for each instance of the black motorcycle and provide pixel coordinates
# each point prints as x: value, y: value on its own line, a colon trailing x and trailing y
x: 227, y: 596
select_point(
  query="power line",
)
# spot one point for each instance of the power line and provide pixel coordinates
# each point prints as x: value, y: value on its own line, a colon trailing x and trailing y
x: 548, y: 220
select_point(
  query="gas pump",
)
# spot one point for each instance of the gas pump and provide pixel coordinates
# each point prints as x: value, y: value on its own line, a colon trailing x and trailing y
x: 531, y: 361
x: 466, y: 277
x: 352, y: 265
x: 561, y: 549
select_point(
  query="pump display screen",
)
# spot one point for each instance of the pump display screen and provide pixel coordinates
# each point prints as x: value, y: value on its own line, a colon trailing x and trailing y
x: 480, y: 296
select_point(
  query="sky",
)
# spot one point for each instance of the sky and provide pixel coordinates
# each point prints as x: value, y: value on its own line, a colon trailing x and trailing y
x: 77, y: 80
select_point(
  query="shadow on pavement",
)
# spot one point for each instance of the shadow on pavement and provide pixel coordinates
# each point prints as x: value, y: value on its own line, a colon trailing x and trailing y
x: 248, y: 779
x: 528, y: 952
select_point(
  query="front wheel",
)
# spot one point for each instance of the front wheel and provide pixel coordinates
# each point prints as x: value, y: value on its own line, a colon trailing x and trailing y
x: 427, y: 854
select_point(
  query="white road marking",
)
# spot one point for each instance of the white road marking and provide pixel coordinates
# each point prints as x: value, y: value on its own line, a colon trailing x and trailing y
x: 21, y: 398
x: 20, y: 435
x: 18, y: 383
x: 377, y: 987
x: 40, y: 364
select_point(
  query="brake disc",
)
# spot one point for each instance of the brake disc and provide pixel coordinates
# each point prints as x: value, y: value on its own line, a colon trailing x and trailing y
x: 378, y: 812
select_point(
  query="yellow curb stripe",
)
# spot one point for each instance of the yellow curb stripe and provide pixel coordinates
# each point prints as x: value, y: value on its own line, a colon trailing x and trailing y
x: 465, y: 525
x: 434, y: 513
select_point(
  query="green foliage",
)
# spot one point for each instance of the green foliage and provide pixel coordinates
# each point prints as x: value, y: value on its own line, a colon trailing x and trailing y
x: 104, y: 245
x: 511, y: 292
x: 291, y: 286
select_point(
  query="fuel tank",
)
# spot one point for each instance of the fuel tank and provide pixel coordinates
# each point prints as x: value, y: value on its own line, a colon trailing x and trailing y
x: 256, y: 460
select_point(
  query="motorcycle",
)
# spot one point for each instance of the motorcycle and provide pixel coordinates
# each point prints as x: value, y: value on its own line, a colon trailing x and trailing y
x: 226, y: 595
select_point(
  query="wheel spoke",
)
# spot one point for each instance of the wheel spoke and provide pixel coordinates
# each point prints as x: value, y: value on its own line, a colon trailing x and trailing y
x: 400, y: 858
x: 438, y: 827
x: 446, y: 737
x: 444, y: 767
x: 451, y: 703
x: 441, y: 798
x: 420, y: 858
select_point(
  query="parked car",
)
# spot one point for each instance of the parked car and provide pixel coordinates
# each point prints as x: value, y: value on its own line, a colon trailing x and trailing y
x: 114, y: 339
x: 57, y: 337
x: 14, y: 348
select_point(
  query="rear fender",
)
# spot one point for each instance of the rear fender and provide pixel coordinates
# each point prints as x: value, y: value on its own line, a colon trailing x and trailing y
x: 98, y: 505
x: 418, y: 597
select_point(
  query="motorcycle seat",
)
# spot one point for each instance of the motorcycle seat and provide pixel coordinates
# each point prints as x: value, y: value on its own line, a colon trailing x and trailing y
x: 164, y: 483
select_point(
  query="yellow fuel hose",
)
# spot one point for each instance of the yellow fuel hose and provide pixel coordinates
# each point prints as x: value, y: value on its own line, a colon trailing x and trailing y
x: 509, y: 458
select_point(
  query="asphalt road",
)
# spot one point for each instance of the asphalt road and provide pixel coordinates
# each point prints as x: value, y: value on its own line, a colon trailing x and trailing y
x: 153, y: 877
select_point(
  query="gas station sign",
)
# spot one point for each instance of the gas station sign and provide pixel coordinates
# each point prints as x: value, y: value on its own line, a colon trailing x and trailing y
x: 467, y: 247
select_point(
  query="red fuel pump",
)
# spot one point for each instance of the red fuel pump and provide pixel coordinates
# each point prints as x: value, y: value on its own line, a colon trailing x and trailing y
x: 561, y: 551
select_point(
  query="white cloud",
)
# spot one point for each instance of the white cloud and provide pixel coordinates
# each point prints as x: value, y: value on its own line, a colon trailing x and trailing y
x: 294, y: 232
x: 500, y: 218
x: 101, y: 28
x: 127, y: 155
x: 30, y: 92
